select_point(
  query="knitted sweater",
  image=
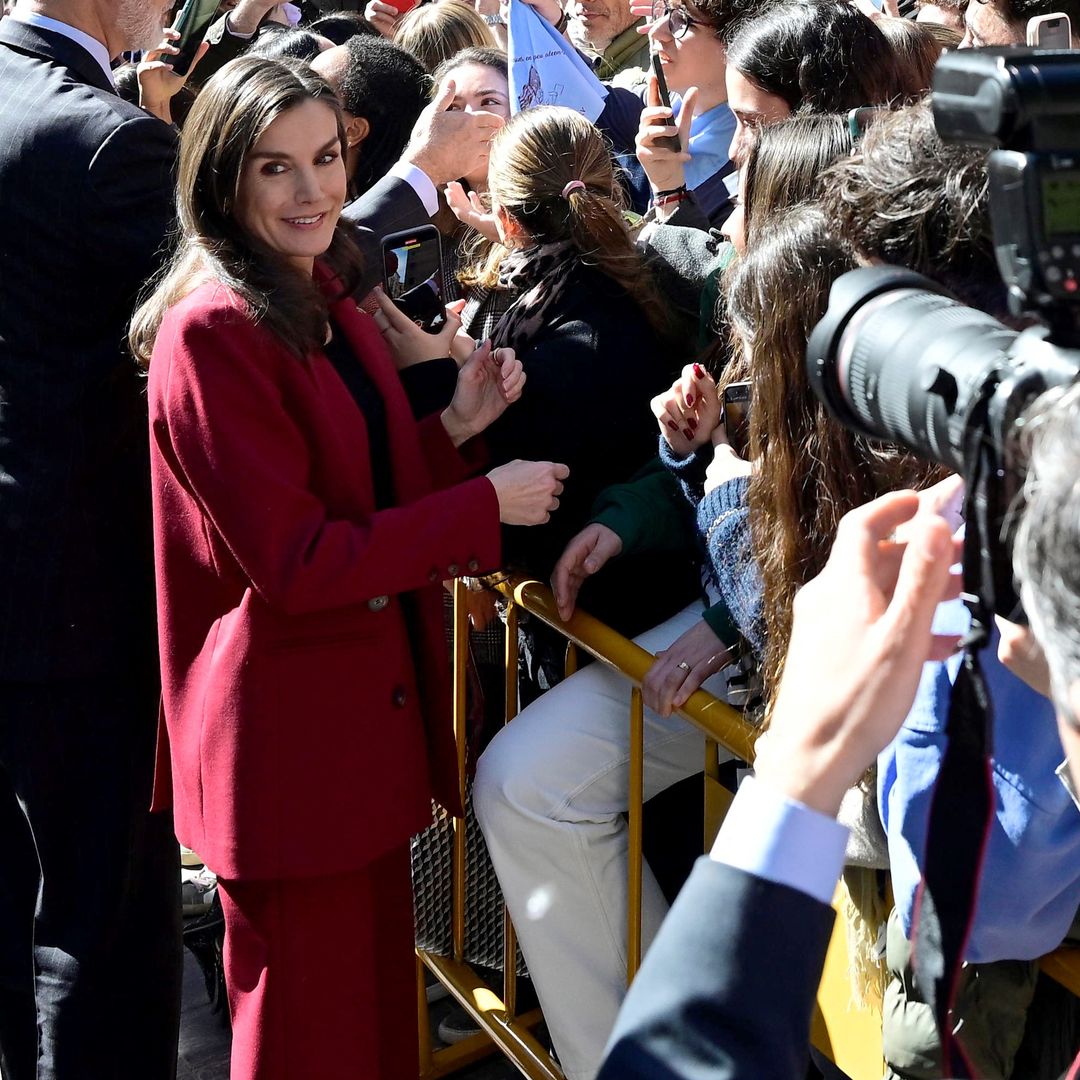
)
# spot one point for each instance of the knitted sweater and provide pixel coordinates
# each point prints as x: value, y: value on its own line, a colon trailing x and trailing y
x: 723, y: 522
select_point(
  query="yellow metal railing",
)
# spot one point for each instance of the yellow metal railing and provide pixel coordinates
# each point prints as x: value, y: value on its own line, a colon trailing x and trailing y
x: 501, y: 1027
x: 847, y: 1035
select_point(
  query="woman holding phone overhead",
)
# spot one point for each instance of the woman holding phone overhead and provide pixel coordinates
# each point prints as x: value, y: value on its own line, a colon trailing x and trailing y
x: 303, y: 522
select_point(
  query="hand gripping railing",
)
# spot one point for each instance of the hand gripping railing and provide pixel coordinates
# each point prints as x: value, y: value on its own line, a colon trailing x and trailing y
x: 500, y: 1026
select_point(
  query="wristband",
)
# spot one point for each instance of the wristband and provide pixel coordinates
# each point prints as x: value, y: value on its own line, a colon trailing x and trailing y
x: 680, y: 190
x: 494, y: 20
x: 672, y: 197
x: 563, y: 23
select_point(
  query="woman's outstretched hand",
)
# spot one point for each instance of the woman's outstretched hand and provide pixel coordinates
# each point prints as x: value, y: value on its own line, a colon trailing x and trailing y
x: 586, y: 554
x: 528, y: 491
x: 487, y: 383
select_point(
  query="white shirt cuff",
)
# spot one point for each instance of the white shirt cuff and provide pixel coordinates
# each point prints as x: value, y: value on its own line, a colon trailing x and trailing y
x: 419, y: 181
x: 236, y: 33
x: 778, y: 839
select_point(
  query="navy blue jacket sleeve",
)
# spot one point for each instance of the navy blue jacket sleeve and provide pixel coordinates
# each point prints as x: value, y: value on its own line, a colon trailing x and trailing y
x: 727, y: 988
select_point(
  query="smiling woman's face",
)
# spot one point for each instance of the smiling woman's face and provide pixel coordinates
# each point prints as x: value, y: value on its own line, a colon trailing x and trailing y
x: 293, y: 185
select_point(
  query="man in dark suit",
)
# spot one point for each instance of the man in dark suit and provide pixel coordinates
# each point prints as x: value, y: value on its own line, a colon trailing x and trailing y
x: 727, y: 988
x: 89, y: 913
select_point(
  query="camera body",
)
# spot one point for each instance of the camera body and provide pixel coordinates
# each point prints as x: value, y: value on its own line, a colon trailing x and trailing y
x: 1024, y: 106
x: 897, y: 359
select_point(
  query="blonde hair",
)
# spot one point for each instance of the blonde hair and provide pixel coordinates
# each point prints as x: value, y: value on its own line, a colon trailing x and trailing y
x: 535, y: 158
x: 434, y: 33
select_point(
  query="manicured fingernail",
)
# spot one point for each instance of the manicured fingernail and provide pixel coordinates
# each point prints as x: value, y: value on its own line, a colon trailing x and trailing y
x: 671, y: 424
x: 699, y: 371
x: 692, y: 422
x: 689, y: 399
x: 688, y: 433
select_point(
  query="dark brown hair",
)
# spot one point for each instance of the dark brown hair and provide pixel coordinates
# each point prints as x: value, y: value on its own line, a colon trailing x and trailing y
x: 786, y: 161
x: 230, y: 114
x: 818, y: 55
x: 918, y: 47
x: 809, y: 470
x: 908, y: 198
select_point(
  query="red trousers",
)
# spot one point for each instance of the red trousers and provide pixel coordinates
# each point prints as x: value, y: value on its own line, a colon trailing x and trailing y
x: 321, y: 975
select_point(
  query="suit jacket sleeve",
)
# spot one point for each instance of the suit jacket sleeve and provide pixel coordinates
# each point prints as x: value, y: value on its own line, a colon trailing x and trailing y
x: 132, y: 187
x: 389, y: 206
x: 727, y: 988
x: 246, y: 462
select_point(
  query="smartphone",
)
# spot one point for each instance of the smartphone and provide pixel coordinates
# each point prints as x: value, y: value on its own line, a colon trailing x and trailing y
x: 737, y: 415
x: 402, y: 5
x: 1053, y: 31
x: 191, y: 24
x: 413, y: 275
x: 671, y: 142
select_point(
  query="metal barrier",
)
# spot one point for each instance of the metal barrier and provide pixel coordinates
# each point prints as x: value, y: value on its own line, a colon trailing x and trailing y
x: 501, y: 1027
x: 847, y: 1035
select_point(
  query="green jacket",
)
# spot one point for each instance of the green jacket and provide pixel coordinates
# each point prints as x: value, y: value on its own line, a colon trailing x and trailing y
x: 650, y: 513
x: 628, y: 51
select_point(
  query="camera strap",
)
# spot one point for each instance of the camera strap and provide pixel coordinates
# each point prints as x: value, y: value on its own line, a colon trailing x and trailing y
x: 962, y: 804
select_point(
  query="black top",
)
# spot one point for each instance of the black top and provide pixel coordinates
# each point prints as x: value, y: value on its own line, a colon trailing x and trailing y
x: 369, y: 401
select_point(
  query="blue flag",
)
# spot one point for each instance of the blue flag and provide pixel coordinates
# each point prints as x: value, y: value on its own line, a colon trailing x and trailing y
x: 545, y: 69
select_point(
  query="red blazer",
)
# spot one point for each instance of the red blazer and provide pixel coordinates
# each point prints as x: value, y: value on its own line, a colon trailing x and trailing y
x: 303, y: 655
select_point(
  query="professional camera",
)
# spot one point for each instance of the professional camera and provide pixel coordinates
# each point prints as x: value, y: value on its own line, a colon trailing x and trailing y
x: 897, y: 359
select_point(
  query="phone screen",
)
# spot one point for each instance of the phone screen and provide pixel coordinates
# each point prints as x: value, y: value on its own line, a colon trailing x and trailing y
x: 670, y: 141
x: 413, y: 276
x: 737, y: 415
x: 191, y: 24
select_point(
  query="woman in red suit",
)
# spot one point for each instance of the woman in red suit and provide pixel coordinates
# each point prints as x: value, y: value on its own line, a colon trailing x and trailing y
x: 303, y: 521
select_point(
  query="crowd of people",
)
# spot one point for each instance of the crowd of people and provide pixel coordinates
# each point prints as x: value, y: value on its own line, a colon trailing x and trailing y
x: 236, y: 476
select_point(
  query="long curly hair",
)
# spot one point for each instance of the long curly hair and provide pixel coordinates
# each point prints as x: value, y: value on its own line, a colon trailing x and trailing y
x: 230, y: 114
x: 809, y: 470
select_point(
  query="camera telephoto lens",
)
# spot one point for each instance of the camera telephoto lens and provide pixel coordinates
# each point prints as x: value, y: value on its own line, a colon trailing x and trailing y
x: 899, y: 361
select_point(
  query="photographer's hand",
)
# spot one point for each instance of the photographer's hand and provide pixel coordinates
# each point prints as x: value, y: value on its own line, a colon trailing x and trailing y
x: 861, y: 633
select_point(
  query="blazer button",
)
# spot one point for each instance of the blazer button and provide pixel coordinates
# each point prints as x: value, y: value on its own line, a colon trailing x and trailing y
x: 453, y: 569
x: 399, y: 697
x: 377, y: 603
x: 474, y: 565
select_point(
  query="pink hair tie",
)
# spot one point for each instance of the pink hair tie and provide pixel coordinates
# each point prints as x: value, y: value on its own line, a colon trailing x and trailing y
x: 573, y: 185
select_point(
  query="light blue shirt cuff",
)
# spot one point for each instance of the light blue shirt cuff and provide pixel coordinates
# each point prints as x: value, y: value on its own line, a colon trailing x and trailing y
x: 781, y: 840
x: 420, y: 182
